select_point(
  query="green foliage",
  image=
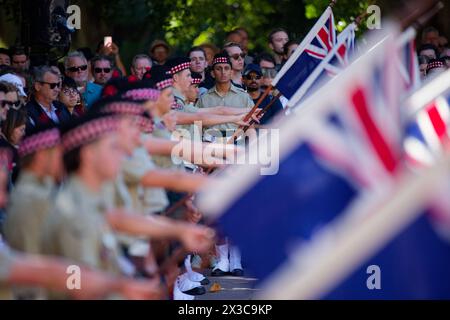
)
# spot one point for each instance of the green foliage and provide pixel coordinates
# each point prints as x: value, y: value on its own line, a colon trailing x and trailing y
x: 197, y: 21
x: 345, y: 11
x: 183, y: 23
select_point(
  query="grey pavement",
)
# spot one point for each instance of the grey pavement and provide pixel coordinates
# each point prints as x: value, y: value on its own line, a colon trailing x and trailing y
x: 232, y: 288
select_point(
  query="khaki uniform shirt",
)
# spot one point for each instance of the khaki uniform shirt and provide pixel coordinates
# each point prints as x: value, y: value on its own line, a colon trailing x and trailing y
x: 29, y: 204
x: 164, y: 162
x: 145, y: 200
x: 236, y: 97
x: 77, y: 229
x: 181, y: 104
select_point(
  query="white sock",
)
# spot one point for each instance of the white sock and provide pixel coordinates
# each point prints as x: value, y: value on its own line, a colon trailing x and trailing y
x: 223, y: 263
x: 235, y: 258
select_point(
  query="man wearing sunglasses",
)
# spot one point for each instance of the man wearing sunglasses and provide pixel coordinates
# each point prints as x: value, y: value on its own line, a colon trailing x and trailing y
x: 12, y: 96
x: 253, y: 76
x: 237, y: 57
x: 44, y: 107
x: 102, y: 67
x: 77, y: 68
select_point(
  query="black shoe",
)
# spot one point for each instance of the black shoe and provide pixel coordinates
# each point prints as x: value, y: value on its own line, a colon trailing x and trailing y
x: 197, y: 291
x: 218, y: 273
x: 205, y: 282
x: 237, y: 272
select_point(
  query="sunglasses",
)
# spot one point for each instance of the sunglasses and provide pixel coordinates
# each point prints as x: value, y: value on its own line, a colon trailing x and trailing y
x: 52, y: 85
x: 236, y: 56
x: 11, y: 104
x: 99, y: 70
x: 269, y: 72
x: 70, y: 91
x: 249, y: 77
x: 78, y: 69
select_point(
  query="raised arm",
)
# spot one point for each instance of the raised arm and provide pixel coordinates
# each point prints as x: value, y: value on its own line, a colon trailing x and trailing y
x: 194, y: 237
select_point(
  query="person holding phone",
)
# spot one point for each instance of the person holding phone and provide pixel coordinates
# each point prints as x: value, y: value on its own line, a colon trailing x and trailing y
x: 108, y: 48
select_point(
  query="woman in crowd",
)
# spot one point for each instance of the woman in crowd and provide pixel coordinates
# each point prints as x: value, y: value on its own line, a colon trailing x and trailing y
x: 70, y: 96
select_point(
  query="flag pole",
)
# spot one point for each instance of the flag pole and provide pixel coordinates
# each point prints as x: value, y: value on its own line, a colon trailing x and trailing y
x: 238, y: 131
x: 428, y: 15
x: 258, y: 103
x: 426, y: 6
x: 266, y: 108
x: 263, y: 111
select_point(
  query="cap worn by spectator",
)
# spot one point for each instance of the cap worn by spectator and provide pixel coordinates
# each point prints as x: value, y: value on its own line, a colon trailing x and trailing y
x: 252, y: 67
x: 15, y: 80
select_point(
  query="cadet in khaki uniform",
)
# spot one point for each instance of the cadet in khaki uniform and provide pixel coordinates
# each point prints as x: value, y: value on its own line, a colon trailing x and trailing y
x: 51, y: 274
x: 80, y: 226
x: 31, y: 199
x: 136, y: 171
x: 184, y: 114
x: 224, y: 93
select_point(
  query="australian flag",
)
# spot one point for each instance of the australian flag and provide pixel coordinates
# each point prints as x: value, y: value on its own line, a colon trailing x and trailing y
x: 336, y: 60
x: 401, y: 253
x: 413, y: 264
x: 336, y: 149
x: 311, y: 51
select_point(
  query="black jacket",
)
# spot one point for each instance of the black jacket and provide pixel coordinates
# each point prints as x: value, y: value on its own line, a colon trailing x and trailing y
x: 37, y: 116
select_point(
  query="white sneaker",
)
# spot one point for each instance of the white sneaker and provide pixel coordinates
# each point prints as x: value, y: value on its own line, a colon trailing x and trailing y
x: 189, y: 287
x: 178, y: 295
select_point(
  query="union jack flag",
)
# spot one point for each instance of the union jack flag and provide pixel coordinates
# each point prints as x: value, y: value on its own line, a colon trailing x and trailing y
x: 331, y: 65
x: 337, y: 148
x: 428, y: 134
x: 311, y: 51
x: 427, y: 131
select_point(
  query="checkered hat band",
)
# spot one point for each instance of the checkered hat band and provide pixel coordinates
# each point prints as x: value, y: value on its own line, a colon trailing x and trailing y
x: 435, y: 64
x: 164, y: 84
x: 88, y: 132
x: 196, y: 80
x: 180, y: 67
x: 39, y: 141
x: 124, y: 108
x: 142, y: 94
x: 221, y: 60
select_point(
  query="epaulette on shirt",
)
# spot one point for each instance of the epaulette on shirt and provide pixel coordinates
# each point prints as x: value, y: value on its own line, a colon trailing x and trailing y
x: 178, y: 104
